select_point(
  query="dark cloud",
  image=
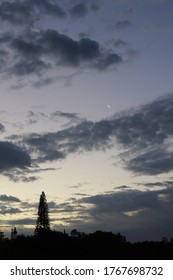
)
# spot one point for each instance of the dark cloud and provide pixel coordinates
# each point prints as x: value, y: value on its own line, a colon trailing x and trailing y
x: 120, y: 25
x: 23, y: 222
x: 24, y: 68
x: 17, y: 176
x: 43, y: 148
x: 140, y: 215
x: 151, y: 162
x: 72, y: 118
x: 28, y: 55
x: 9, y: 210
x: 137, y: 214
x: 81, y: 194
x: 123, y: 24
x: 9, y: 198
x: 33, y: 117
x: 124, y: 201
x: 68, y: 51
x: 2, y: 128
x: 130, y: 210
x: 79, y: 10
x: 28, y: 206
x: 5, y: 37
x: 65, y: 115
x: 44, y: 82
x: 66, y: 79
x: 49, y: 7
x: 110, y: 59
x: 159, y: 184
x: 94, y: 7
x: 27, y: 11
x: 121, y: 187
x: 26, y: 49
x: 85, y: 136
x: 120, y: 43
x: 38, y: 52
x: 12, y: 156
x: 145, y: 133
x: 16, y: 12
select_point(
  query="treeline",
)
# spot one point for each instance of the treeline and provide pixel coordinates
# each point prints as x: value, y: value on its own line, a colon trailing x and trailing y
x: 47, y: 244
x: 98, y: 245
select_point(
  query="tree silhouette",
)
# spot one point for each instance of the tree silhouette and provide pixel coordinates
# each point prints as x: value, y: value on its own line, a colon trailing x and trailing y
x: 1, y: 235
x: 42, y: 223
x: 13, y: 233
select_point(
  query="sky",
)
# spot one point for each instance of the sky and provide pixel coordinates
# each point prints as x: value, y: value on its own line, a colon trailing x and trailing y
x: 86, y: 115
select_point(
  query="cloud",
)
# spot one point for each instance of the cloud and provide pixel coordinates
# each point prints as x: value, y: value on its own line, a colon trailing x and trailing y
x: 130, y: 211
x: 16, y: 12
x: 9, y: 198
x: 151, y: 162
x: 2, y: 128
x: 27, y: 11
x: 23, y: 222
x: 17, y: 176
x: 79, y: 10
x: 12, y: 156
x: 119, y: 43
x: 94, y: 7
x: 24, y: 68
x: 67, y: 80
x: 120, y: 25
x: 136, y: 214
x: 147, y: 135
x: 124, y: 201
x: 26, y: 49
x: 85, y: 136
x: 68, y: 51
x: 5, y: 37
x: 71, y: 116
x: 159, y: 184
x: 9, y: 210
x: 33, y: 117
x: 121, y: 187
x: 49, y: 8
x: 123, y: 24
x: 144, y: 135
x: 37, y: 52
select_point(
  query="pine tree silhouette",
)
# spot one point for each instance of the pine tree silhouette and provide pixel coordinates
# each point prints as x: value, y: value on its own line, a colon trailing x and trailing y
x: 42, y: 223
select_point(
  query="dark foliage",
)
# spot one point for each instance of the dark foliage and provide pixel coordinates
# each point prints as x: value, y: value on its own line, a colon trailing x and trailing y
x: 42, y: 224
x: 97, y: 245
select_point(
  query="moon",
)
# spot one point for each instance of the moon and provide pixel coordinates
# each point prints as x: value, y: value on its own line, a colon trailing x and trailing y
x: 109, y: 107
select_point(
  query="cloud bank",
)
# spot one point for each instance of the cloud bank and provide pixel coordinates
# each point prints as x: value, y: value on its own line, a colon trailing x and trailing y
x: 36, y: 51
x: 12, y: 156
x: 145, y: 134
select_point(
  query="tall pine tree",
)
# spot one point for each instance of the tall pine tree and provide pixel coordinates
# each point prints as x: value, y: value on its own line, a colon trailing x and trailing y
x: 42, y: 224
